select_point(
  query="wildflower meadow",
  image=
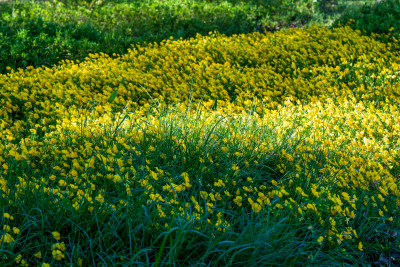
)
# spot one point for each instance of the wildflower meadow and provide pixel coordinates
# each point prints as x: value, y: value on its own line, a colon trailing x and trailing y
x: 263, y: 149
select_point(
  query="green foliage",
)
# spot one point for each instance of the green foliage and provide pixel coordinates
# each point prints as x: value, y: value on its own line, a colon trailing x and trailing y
x: 33, y: 41
x: 112, y: 96
x: 382, y: 18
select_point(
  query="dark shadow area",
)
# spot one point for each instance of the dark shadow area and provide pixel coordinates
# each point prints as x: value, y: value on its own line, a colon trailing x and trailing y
x: 35, y: 42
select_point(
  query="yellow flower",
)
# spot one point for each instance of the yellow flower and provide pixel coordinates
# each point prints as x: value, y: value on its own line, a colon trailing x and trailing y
x: 220, y: 183
x: 59, y: 246
x: 254, y: 205
x: 117, y: 178
x: 18, y: 258
x: 38, y: 255
x: 99, y: 198
x: 320, y: 239
x: 56, y: 235
x: 360, y: 246
x: 299, y: 210
x: 6, y: 238
x: 57, y: 254
x: 91, y: 162
x: 156, y: 197
x: 74, y: 173
x: 238, y: 201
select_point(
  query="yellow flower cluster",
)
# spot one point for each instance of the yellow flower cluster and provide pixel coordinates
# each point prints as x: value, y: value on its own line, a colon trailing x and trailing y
x: 303, y: 65
x: 326, y: 112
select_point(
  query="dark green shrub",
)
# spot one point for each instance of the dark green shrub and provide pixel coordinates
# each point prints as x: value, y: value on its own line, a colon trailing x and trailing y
x: 383, y: 17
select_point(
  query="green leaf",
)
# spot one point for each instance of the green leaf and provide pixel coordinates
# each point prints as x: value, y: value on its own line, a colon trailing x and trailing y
x: 112, y: 96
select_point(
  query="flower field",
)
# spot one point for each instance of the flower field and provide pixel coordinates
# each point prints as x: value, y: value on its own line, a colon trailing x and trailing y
x: 260, y: 149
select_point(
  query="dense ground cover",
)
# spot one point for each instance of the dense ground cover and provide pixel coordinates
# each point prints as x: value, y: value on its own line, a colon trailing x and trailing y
x: 36, y: 33
x: 276, y: 148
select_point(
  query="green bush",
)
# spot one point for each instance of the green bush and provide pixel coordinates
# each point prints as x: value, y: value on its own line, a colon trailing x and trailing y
x: 382, y: 18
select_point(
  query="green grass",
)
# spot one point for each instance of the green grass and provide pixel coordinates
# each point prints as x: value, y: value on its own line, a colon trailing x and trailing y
x: 135, y: 232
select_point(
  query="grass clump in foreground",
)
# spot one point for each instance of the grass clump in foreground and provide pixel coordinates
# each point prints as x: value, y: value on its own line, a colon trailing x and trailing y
x: 256, y: 159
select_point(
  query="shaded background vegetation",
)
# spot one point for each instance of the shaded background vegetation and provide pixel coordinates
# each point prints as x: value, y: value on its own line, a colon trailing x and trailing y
x: 43, y: 33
